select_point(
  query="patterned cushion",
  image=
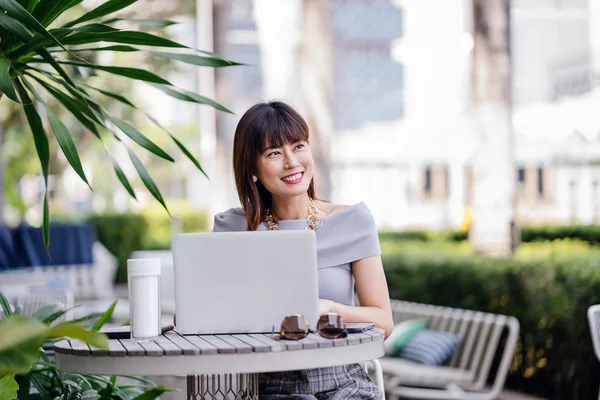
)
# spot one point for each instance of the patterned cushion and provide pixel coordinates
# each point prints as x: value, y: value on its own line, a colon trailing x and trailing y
x: 402, y: 333
x: 430, y: 347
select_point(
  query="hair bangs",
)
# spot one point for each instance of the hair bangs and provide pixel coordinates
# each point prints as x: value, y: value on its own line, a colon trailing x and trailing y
x: 282, y: 127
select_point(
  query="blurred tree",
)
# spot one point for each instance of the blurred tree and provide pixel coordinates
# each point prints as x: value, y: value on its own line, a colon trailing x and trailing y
x: 35, y: 58
x: 296, y: 61
x: 316, y: 59
x: 493, y: 196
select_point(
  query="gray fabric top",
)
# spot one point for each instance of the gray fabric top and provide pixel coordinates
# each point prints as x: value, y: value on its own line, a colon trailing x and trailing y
x: 347, y: 236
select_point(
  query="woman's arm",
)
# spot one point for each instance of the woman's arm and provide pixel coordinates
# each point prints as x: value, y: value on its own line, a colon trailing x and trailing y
x: 373, y: 295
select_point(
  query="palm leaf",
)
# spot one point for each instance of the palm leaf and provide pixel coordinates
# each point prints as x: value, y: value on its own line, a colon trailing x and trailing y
x: 152, y: 394
x: 35, y: 380
x: 46, y: 11
x: 184, y: 149
x: 5, y: 305
x: 126, y: 48
x: 35, y: 122
x: 115, y: 96
x: 140, y: 139
x: 34, y: 44
x: 117, y: 47
x: 71, y: 329
x: 16, y: 11
x: 181, y: 146
x: 50, y: 60
x: 31, y: 4
x: 92, y: 28
x: 201, y: 61
x: 105, y: 317
x: 15, y: 27
x: 6, y: 84
x: 75, y: 107
x: 77, y: 92
x: 43, y: 150
x: 149, y: 23
x: 212, y: 61
x: 123, y: 179
x: 65, y: 141
x: 133, y: 73
x: 104, y: 9
x: 125, y: 37
x: 147, y: 179
x: 46, y: 218
x: 189, y: 96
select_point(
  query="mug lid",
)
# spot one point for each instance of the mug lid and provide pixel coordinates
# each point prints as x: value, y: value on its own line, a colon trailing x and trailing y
x: 143, y: 266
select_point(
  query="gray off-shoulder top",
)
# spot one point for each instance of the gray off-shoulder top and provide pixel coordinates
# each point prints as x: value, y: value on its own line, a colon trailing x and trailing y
x: 347, y: 236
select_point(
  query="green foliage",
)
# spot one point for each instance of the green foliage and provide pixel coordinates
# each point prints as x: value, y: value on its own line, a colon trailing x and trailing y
x: 160, y: 226
x: 26, y: 358
x: 122, y: 234
x: 586, y: 233
x: 548, y: 286
x: 41, y: 61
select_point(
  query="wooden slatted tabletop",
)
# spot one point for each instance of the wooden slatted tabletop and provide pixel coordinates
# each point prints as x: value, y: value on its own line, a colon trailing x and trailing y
x: 175, y: 354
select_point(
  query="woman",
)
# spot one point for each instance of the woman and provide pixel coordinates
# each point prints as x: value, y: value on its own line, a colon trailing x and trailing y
x: 273, y: 169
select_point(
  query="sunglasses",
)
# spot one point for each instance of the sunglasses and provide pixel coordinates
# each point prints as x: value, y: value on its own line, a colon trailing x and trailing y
x: 295, y: 327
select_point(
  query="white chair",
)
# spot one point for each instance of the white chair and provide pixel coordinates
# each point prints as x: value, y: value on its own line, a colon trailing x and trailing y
x: 86, y: 281
x: 378, y: 372
x: 466, y: 375
x: 31, y: 303
x: 594, y: 322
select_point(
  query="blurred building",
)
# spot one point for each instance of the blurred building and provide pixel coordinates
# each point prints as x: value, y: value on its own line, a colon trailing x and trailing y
x: 403, y: 139
x: 414, y: 172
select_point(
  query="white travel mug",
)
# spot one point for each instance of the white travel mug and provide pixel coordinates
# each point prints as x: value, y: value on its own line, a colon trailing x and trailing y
x: 143, y: 281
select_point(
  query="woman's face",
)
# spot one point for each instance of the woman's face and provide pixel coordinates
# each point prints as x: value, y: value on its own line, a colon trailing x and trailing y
x: 286, y: 171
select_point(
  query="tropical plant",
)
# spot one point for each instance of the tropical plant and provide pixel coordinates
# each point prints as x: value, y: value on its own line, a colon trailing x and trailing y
x: 27, y: 358
x: 36, y: 55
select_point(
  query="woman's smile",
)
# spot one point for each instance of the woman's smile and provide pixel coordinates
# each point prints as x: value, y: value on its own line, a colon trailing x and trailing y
x: 293, y: 179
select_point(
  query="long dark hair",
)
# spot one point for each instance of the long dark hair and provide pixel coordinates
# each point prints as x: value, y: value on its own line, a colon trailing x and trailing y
x: 264, y: 125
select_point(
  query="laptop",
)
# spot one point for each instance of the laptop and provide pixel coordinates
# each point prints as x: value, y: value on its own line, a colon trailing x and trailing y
x: 244, y: 282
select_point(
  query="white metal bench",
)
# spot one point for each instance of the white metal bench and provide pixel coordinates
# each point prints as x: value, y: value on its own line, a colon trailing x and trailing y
x: 466, y: 375
x: 86, y: 281
x: 594, y: 322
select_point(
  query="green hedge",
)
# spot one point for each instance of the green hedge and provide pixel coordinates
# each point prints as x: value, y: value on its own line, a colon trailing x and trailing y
x: 587, y: 233
x: 122, y: 234
x: 547, y: 286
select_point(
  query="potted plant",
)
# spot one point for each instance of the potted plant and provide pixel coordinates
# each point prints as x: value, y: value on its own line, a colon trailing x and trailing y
x: 27, y: 368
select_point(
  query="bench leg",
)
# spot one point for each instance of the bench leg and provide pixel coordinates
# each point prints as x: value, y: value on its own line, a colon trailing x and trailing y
x: 226, y: 386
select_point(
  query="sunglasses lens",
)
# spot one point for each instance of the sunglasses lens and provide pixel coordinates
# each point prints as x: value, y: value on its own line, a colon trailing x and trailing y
x: 333, y: 333
x: 294, y: 327
x: 331, y: 326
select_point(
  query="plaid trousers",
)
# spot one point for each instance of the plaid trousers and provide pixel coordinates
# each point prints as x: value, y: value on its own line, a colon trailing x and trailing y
x: 344, y: 382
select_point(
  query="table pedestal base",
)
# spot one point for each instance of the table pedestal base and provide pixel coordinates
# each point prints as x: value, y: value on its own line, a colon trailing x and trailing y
x: 222, y: 387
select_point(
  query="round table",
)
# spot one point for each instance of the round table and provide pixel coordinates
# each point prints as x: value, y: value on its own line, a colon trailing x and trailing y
x: 217, y: 365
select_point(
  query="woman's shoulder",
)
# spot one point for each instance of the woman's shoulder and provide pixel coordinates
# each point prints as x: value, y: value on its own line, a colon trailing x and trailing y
x: 233, y: 219
x: 358, y: 211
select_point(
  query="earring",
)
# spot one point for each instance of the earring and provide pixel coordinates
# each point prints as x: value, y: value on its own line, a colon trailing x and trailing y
x: 254, y: 179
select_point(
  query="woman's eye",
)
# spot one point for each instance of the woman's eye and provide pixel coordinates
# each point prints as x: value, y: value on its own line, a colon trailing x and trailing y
x: 273, y: 153
x: 301, y: 145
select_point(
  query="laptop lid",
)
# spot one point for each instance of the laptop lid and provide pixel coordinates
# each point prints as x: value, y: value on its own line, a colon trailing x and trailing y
x: 244, y: 282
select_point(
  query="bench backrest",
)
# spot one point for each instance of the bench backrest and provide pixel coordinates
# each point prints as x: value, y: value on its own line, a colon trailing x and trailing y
x: 480, y: 334
x: 594, y: 322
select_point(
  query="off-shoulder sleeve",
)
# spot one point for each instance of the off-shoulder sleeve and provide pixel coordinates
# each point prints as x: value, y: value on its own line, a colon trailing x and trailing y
x: 347, y: 237
x: 231, y: 220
